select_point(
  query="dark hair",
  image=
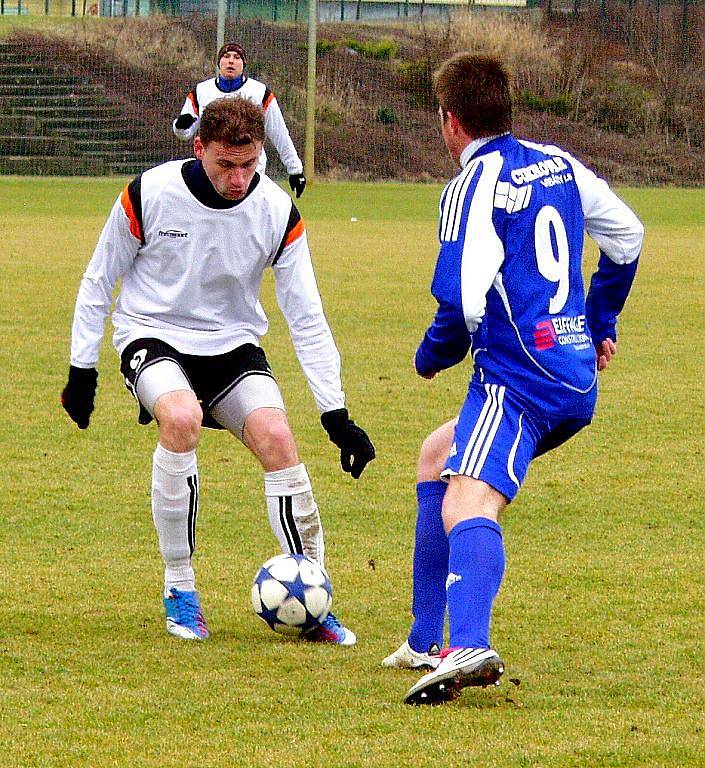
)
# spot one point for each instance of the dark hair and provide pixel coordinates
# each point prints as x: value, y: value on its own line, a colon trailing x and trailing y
x: 476, y: 90
x: 232, y: 121
x: 231, y: 47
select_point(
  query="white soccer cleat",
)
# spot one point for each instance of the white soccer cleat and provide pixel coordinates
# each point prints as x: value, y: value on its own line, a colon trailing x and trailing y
x: 459, y: 668
x: 405, y: 657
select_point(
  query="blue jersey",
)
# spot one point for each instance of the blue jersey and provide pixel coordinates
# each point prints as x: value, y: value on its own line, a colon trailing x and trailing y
x: 508, y: 279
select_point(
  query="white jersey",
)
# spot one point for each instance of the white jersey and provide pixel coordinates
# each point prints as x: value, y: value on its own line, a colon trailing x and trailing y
x: 191, y: 276
x: 256, y: 92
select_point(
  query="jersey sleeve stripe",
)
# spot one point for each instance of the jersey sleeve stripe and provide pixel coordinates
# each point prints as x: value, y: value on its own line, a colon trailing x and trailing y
x: 294, y: 230
x: 267, y: 99
x: 295, y: 233
x: 194, y: 100
x: 131, y: 200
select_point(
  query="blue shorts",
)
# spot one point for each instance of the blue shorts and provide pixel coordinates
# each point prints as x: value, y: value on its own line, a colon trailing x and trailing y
x: 496, y: 438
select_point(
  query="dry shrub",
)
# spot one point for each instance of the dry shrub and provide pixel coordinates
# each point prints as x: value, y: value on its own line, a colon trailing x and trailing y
x: 339, y: 102
x: 142, y: 42
x: 533, y: 57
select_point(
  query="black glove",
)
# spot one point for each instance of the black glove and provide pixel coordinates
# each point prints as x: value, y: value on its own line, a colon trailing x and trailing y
x: 184, y: 121
x: 78, y: 396
x: 297, y: 182
x: 356, y: 449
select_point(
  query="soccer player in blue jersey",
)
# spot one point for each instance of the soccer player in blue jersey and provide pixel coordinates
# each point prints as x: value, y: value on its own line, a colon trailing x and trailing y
x: 509, y: 286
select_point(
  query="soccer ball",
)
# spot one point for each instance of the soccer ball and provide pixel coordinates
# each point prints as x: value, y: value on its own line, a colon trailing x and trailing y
x: 292, y: 594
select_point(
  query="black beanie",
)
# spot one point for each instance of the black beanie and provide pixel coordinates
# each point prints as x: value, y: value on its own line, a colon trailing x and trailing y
x: 231, y: 47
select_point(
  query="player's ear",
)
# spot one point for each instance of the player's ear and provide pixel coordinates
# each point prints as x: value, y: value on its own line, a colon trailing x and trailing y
x: 198, y: 148
x: 453, y: 121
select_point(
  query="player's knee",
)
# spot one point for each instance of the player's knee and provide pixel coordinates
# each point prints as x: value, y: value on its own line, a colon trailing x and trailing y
x: 180, y: 426
x: 279, y: 440
x: 269, y: 436
x: 431, y: 459
x: 468, y: 497
x: 434, y: 452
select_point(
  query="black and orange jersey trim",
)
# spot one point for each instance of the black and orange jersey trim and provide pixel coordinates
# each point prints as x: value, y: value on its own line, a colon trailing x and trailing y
x: 193, y: 95
x: 131, y: 200
x: 294, y: 230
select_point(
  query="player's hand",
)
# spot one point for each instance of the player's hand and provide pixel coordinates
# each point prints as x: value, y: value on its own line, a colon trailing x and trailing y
x: 605, y: 351
x: 78, y: 397
x: 356, y: 449
x: 184, y: 121
x: 428, y: 375
x: 297, y: 182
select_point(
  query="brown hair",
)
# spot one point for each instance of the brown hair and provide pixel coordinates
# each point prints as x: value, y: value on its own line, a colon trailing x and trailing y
x: 476, y: 90
x: 232, y: 121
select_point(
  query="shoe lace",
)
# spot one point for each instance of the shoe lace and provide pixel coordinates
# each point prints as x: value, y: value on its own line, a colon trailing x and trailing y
x: 189, y: 610
x: 332, y: 620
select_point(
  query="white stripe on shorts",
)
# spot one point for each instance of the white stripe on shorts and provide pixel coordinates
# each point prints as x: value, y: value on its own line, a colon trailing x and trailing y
x: 513, y: 453
x: 484, y: 432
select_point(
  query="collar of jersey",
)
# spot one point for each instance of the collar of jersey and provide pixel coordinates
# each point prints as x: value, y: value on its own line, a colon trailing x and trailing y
x: 229, y: 85
x: 482, y: 146
x: 199, y: 185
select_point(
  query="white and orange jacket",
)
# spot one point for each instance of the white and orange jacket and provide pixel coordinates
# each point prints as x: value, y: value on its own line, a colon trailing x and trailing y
x: 257, y: 92
x: 191, y: 276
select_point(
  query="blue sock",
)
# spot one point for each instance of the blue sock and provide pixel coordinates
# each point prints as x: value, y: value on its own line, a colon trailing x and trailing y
x: 475, y: 570
x: 430, y: 568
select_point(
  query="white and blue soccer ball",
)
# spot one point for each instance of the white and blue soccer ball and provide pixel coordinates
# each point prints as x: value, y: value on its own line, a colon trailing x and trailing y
x: 292, y: 594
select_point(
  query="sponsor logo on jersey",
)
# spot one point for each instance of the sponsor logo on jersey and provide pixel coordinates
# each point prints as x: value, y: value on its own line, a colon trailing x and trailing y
x: 551, y: 181
x: 562, y: 331
x: 453, y: 450
x: 544, y: 335
x: 547, y: 167
x: 174, y: 234
x: 510, y: 198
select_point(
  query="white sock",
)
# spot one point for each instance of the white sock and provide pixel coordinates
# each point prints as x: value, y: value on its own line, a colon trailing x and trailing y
x: 293, y: 513
x: 174, y: 511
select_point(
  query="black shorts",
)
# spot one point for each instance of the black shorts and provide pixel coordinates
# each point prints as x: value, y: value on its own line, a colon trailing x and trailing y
x: 211, y: 377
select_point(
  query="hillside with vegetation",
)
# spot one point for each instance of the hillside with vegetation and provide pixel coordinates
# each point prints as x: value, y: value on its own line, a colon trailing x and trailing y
x: 630, y: 101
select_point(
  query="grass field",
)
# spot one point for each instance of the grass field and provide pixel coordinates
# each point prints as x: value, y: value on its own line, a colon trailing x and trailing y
x: 600, y: 618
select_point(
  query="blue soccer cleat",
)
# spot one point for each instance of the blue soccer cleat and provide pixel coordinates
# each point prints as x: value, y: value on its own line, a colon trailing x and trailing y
x: 331, y: 631
x: 184, y: 617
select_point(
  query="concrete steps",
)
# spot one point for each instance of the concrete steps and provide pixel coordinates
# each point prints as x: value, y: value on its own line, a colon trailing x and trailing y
x: 79, y: 110
x: 53, y: 123
x: 36, y: 146
x: 41, y: 165
x: 50, y: 99
x: 41, y: 90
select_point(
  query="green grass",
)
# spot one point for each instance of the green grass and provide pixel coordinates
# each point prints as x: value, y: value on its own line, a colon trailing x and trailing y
x: 600, y: 616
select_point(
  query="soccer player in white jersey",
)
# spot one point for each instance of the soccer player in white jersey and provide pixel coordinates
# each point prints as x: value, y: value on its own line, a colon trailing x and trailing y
x: 190, y: 240
x: 232, y: 82
x: 509, y: 285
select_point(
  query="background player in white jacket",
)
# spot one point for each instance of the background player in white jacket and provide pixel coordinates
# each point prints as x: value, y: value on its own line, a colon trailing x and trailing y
x: 509, y: 284
x: 231, y: 81
x: 191, y: 240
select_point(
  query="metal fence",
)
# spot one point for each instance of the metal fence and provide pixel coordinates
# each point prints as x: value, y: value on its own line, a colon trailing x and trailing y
x: 620, y: 83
